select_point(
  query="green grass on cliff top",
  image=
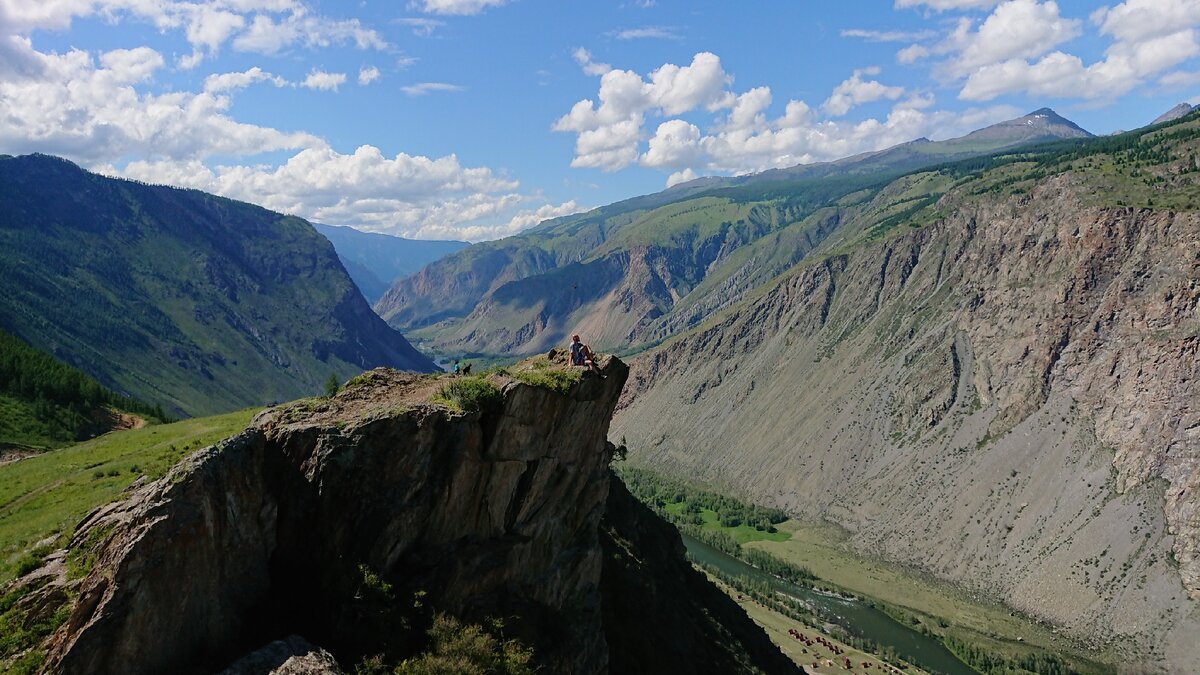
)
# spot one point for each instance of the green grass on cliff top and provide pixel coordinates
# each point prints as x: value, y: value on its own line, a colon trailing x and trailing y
x: 47, y: 495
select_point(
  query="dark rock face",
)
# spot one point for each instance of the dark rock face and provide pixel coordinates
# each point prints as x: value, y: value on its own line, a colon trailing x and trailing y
x: 663, y: 616
x: 350, y: 521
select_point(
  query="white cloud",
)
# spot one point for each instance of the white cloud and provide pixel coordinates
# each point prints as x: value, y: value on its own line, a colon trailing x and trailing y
x: 128, y: 66
x: 1149, y: 38
x: 408, y: 195
x: 1016, y: 29
x: 584, y: 58
x: 944, y: 5
x: 422, y: 88
x: 323, y: 81
x: 888, y: 35
x: 94, y: 108
x: 93, y: 113
x: 607, y: 134
x: 741, y: 136
x: 266, y: 35
x: 459, y: 7
x: 421, y: 26
x: 1017, y: 49
x: 222, y: 82
x: 1180, y: 79
x: 856, y: 91
x: 681, y: 177
x: 265, y: 26
x: 367, y: 75
x: 676, y: 143
x: 648, y: 33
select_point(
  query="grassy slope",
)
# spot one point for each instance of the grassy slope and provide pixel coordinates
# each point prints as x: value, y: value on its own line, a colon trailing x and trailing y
x: 45, y: 496
x: 20, y: 425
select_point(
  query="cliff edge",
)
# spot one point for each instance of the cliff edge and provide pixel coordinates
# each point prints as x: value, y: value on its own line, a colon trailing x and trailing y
x: 334, y: 529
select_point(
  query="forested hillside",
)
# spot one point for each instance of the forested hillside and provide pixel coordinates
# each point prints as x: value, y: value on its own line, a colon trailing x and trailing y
x: 45, y: 403
x: 196, y: 302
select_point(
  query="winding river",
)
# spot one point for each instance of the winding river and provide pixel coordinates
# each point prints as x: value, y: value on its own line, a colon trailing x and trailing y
x: 853, y: 615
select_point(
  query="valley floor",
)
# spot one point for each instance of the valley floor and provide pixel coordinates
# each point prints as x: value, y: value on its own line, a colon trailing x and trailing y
x: 818, y: 658
x: 923, y: 602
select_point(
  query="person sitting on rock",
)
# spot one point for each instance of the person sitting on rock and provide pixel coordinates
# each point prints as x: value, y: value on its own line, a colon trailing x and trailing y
x: 581, y: 355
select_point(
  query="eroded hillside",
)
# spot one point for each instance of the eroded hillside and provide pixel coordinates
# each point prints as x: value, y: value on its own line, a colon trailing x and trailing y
x: 997, y: 388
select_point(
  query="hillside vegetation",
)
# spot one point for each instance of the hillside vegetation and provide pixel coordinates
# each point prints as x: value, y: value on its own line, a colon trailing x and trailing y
x: 46, y: 403
x: 198, y: 303
x: 42, y: 498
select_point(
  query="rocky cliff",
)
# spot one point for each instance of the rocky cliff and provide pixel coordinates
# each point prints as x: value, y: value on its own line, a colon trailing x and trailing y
x: 1004, y: 397
x: 335, y: 528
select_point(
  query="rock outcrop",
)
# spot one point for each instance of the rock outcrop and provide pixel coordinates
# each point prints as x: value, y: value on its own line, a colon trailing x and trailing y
x: 350, y: 521
x: 1005, y: 398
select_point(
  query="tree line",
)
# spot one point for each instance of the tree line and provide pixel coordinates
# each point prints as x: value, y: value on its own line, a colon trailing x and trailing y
x: 59, y: 395
x: 659, y: 491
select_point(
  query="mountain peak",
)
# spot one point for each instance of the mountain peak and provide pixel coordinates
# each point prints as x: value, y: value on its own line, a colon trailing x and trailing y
x: 1042, y: 124
x: 1174, y: 113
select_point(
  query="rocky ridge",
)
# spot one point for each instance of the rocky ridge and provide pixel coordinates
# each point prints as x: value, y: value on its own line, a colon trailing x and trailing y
x: 342, y: 524
x: 1004, y: 398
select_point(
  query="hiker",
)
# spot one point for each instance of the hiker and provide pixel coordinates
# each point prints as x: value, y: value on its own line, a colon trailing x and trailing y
x: 581, y: 355
x: 457, y: 368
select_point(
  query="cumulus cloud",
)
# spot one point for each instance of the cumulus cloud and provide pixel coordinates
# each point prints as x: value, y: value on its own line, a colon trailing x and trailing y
x: 741, y: 135
x: 459, y: 7
x: 681, y: 177
x: 607, y: 133
x: 584, y: 58
x: 409, y: 195
x: 94, y: 108
x: 264, y: 26
x: 367, y: 75
x: 855, y: 91
x: 94, y: 112
x: 1017, y: 48
x: 422, y: 88
x: 222, y: 82
x: 323, y: 81
x: 1017, y: 29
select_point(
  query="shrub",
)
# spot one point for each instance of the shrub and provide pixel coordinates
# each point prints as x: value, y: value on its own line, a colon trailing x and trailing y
x: 470, y: 394
x: 468, y: 649
x: 555, y: 380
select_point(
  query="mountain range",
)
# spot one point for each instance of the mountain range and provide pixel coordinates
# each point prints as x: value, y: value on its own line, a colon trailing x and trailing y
x: 197, y: 303
x: 375, y: 261
x: 986, y: 372
x: 640, y: 270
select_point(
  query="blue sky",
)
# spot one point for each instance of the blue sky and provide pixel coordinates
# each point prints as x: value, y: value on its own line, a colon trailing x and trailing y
x: 476, y: 118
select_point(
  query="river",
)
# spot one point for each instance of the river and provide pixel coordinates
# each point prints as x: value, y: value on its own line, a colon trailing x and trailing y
x: 852, y: 615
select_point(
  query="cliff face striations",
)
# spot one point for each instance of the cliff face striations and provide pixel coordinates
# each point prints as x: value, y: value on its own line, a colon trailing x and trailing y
x: 1005, y: 397
x: 350, y: 521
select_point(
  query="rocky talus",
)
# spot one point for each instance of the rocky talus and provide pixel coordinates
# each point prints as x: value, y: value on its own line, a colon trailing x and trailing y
x: 1005, y: 398
x: 331, y: 530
